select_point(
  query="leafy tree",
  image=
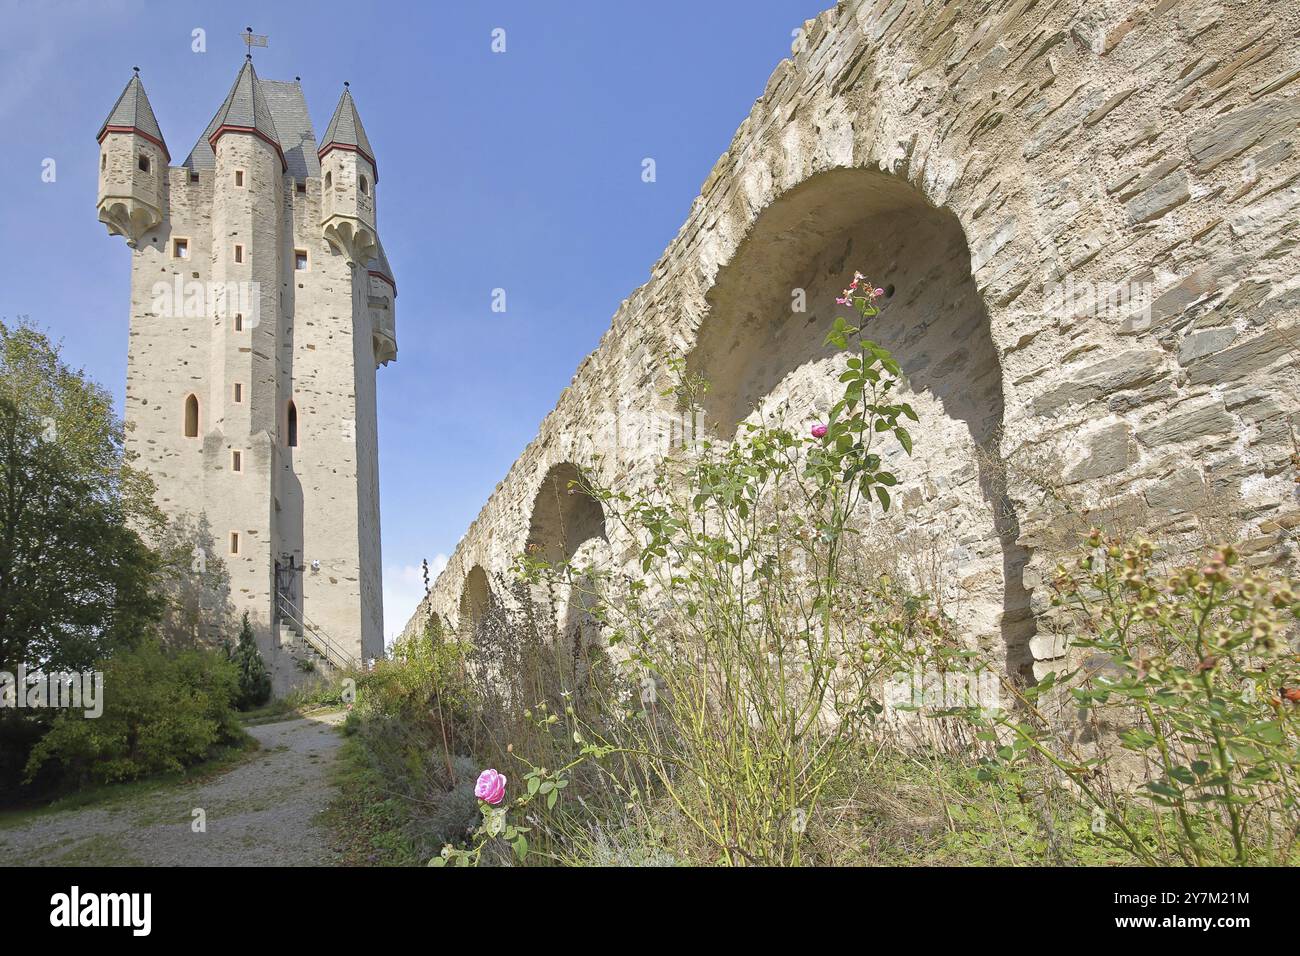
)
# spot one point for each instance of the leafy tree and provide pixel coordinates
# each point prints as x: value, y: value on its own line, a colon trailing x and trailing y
x: 76, y: 580
x: 254, y: 681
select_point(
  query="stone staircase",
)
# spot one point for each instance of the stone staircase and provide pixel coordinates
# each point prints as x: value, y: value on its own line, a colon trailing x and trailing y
x: 299, y: 634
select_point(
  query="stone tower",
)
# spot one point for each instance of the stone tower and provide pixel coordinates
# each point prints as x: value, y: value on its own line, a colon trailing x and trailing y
x: 261, y: 306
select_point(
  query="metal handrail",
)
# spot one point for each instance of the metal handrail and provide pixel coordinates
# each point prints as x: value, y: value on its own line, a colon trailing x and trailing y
x: 316, y: 637
x: 321, y: 634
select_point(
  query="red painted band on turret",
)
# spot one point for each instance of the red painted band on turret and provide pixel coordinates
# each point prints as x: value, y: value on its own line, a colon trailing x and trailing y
x: 380, y: 275
x: 216, y: 135
x: 139, y: 132
x: 354, y: 149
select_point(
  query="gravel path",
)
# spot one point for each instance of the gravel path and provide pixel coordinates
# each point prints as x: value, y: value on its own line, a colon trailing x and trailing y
x: 262, y: 812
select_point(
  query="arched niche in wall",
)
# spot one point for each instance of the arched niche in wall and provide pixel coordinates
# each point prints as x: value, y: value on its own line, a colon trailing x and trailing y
x: 476, y: 599
x: 565, y: 514
x: 764, y: 357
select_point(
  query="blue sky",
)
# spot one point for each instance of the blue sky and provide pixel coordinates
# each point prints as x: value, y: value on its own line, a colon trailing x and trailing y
x: 518, y: 170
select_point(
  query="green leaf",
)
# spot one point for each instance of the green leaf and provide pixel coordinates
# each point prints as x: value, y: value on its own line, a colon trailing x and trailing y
x: 883, y: 495
x: 1137, y: 739
x: 1164, y: 790
x: 1269, y: 731
x: 904, y: 438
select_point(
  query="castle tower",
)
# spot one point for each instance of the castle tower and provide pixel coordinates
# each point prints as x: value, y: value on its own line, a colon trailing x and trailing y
x: 261, y: 306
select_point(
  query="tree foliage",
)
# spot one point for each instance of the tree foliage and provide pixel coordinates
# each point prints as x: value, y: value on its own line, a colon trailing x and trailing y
x: 254, y: 681
x: 166, y: 711
x: 76, y: 580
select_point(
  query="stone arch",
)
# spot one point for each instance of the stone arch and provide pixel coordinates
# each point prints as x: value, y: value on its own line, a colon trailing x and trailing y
x: 762, y: 356
x: 565, y: 514
x: 476, y: 600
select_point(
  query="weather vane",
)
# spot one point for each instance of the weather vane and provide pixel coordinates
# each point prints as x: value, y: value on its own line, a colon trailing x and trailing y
x: 252, y: 39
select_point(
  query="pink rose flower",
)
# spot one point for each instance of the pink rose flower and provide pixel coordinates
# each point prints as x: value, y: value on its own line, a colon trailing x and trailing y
x: 819, y: 431
x: 491, y: 787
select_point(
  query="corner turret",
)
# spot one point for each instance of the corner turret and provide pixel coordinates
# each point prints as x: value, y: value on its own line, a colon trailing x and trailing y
x: 348, y: 178
x: 133, y: 161
x: 382, y: 304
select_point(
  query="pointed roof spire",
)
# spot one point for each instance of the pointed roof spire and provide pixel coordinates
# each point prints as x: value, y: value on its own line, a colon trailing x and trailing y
x: 133, y: 114
x: 245, y: 111
x: 346, y: 132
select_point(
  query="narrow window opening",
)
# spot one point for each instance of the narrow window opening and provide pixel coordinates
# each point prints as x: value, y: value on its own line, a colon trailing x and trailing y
x: 180, y: 248
x: 365, y: 186
x: 329, y: 180
x: 239, y: 177
x: 194, y: 176
x: 302, y: 186
x: 239, y: 253
x: 234, y: 542
x: 143, y: 163
x: 291, y: 431
x: 191, y: 417
x: 239, y: 393
x: 236, y: 461
x: 103, y: 160
x: 239, y: 322
x: 300, y: 260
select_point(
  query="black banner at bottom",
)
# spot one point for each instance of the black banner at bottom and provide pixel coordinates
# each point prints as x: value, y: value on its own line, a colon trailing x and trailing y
x: 337, y: 906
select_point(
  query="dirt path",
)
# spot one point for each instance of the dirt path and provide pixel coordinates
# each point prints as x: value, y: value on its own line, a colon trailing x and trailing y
x: 263, y: 812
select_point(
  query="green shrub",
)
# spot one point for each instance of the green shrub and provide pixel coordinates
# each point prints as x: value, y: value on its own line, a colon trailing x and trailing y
x: 757, y: 674
x: 412, y: 798
x: 162, y: 712
x: 1194, y: 675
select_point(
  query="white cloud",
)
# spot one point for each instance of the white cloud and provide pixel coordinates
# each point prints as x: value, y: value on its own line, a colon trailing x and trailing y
x: 403, y: 591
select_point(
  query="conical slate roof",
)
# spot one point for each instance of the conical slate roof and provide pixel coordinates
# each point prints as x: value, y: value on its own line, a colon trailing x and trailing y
x: 245, y: 110
x: 132, y: 113
x: 346, y: 132
x: 297, y: 138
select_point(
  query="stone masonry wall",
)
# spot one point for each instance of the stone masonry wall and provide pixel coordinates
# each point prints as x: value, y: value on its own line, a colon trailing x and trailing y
x: 1085, y: 214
